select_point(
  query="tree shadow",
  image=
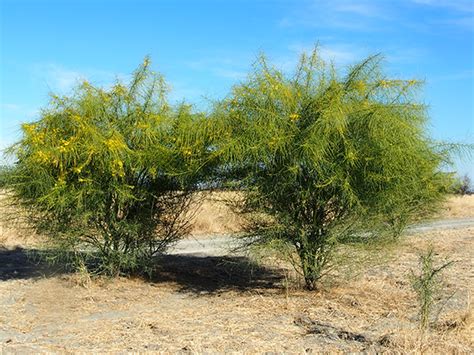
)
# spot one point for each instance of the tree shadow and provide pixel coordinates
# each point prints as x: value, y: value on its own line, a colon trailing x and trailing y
x: 21, y: 263
x: 193, y: 273
x: 215, y: 274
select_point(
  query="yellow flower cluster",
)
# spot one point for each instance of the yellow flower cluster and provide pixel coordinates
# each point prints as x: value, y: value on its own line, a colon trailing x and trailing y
x: 351, y: 157
x: 29, y: 128
x: 115, y: 143
x: 117, y: 168
x: 399, y: 83
x: 385, y: 83
x: 273, y: 142
x: 294, y: 117
x: 61, y: 181
x: 360, y: 86
x: 40, y: 157
x: 155, y: 118
x: 143, y: 125
x: 37, y: 138
x: 187, y: 152
x: 119, y: 90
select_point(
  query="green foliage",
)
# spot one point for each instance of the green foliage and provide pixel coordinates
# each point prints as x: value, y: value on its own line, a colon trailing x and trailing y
x: 326, y: 158
x: 110, y: 172
x: 427, y: 284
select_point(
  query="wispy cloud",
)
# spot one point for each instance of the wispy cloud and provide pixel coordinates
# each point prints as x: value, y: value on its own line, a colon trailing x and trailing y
x: 4, y: 144
x: 8, y: 110
x: 11, y: 114
x: 372, y: 15
x: 339, y: 53
x: 458, y: 5
x: 61, y: 79
x: 362, y: 9
x: 455, y: 13
x: 181, y: 92
x: 229, y: 73
x: 57, y: 77
x: 222, y: 66
x: 464, y: 22
x: 461, y: 75
x: 342, y: 14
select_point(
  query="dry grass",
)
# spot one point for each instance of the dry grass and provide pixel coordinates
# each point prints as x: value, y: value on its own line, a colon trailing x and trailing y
x: 214, y: 215
x: 459, y: 207
x: 13, y: 230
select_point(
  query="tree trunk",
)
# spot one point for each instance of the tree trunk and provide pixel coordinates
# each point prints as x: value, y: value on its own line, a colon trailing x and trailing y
x: 312, y: 262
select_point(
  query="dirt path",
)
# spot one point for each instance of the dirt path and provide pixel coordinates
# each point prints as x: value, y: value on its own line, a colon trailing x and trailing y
x: 224, y: 244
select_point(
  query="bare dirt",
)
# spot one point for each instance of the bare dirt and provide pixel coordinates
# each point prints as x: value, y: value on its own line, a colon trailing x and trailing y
x: 199, y: 304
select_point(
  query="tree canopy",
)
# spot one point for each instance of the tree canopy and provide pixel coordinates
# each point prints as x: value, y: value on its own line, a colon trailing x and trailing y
x: 330, y: 156
x: 113, y: 169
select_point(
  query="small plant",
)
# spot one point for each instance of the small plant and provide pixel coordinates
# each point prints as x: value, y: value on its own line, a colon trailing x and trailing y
x: 427, y: 284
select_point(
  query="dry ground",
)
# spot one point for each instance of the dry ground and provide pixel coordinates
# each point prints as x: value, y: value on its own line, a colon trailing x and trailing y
x: 197, y: 304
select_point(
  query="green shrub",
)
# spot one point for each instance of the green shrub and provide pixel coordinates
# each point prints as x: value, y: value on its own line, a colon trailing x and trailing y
x: 325, y: 158
x: 108, y: 173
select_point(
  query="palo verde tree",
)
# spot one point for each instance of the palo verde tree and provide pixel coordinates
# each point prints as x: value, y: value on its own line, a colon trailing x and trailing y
x: 109, y: 173
x: 324, y: 158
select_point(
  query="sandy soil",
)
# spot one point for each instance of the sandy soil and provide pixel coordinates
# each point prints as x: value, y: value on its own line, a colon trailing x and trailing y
x: 199, y: 304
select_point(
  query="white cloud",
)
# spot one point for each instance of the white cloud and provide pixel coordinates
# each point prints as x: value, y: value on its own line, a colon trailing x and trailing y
x: 341, y: 14
x: 458, y: 5
x: 180, y: 92
x: 465, y: 22
x: 11, y: 110
x: 459, y: 13
x: 57, y: 77
x: 61, y: 79
x: 11, y: 107
x: 368, y: 10
x: 229, y: 73
x: 340, y: 54
x: 465, y: 74
x: 4, y: 144
x: 222, y: 66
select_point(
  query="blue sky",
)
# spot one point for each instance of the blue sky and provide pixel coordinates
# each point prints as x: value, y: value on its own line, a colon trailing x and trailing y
x: 204, y: 47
